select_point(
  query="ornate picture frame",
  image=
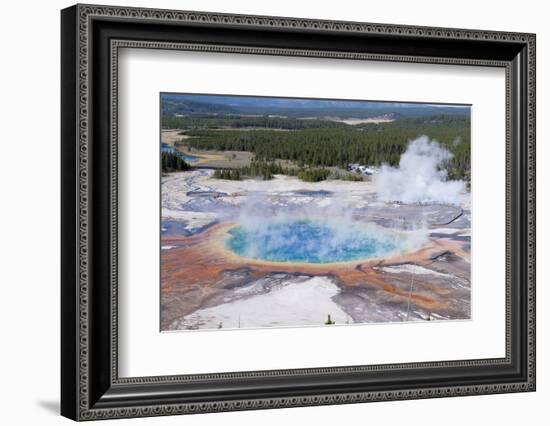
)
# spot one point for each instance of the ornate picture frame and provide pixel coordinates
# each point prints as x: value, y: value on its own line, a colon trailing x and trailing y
x: 91, y: 37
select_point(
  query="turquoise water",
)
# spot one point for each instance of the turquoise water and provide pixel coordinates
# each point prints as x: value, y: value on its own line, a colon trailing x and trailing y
x: 186, y: 157
x: 312, y: 241
x: 190, y: 158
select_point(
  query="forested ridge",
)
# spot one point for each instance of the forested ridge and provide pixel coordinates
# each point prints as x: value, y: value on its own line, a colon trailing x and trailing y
x: 191, y: 105
x: 196, y: 122
x: 369, y: 144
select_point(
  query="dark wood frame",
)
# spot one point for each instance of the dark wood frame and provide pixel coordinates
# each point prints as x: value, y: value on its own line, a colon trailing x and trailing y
x: 91, y: 37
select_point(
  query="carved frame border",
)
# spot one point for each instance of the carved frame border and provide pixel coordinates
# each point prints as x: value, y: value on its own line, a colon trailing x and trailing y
x: 87, y: 12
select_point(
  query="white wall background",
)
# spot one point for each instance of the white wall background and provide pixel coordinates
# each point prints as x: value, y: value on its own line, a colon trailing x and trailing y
x: 29, y: 214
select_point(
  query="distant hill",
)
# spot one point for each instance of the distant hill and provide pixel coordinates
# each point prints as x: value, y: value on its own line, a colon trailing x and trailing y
x: 221, y: 105
x: 174, y: 105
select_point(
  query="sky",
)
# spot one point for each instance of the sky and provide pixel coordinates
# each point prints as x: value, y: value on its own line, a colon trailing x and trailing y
x: 265, y: 102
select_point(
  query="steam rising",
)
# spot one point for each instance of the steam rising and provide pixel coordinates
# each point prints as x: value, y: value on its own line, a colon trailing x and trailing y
x: 283, y: 228
x: 418, y: 179
x: 314, y: 234
x: 314, y: 241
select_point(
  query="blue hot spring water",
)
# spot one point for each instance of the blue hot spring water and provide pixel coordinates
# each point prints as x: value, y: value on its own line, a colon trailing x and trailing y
x: 312, y: 241
x: 186, y: 157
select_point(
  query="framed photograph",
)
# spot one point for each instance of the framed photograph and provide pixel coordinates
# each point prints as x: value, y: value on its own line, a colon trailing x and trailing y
x: 263, y: 212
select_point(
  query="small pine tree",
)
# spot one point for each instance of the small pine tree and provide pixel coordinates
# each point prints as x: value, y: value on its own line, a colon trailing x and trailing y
x: 329, y: 321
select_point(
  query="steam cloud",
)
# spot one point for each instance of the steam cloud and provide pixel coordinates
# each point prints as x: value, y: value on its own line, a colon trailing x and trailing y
x: 319, y: 238
x: 266, y: 228
x: 418, y: 178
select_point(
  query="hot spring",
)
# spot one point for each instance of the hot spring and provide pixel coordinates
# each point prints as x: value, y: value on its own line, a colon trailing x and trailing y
x: 313, y: 241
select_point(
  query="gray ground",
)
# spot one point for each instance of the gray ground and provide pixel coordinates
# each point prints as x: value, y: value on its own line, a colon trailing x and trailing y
x: 193, y: 202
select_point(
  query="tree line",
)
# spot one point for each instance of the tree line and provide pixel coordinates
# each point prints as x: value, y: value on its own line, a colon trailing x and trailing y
x: 256, y: 169
x: 327, y: 147
x: 172, y: 162
x: 238, y: 122
x: 266, y: 171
